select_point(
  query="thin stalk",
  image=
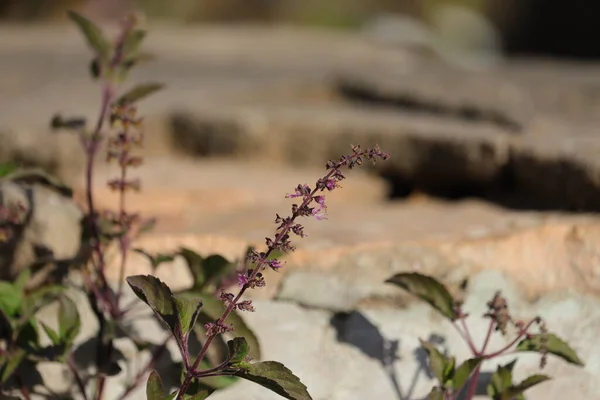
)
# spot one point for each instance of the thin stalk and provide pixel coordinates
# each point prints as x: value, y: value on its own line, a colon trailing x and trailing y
x: 77, y: 377
x: 156, y: 354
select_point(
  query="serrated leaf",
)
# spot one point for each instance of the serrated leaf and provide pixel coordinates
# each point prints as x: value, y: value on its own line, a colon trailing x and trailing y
x: 156, y: 259
x: 238, y: 349
x: 528, y: 383
x: 139, y: 92
x: 52, y: 334
x: 437, y: 361
x: 93, y: 35
x: 554, y: 345
x: 276, y: 377
x: 154, y: 387
x: 435, y: 394
x: 427, y: 289
x: 464, y: 371
x: 69, y: 322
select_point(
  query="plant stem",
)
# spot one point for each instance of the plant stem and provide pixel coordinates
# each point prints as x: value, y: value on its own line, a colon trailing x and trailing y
x: 465, y: 338
x: 156, y: 354
x: 487, y: 337
x: 259, y: 266
x: 77, y: 377
x: 473, y: 383
x: 522, y: 333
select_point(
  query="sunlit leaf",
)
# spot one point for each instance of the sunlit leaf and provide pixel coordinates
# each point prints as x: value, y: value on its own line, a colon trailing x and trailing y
x: 553, y: 345
x: 427, y: 289
x: 464, y: 372
x: 276, y: 377
x: 437, y: 361
x: 238, y: 349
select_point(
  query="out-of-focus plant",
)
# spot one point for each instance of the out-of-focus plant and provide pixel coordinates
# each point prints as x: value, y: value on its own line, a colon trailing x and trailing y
x: 454, y: 379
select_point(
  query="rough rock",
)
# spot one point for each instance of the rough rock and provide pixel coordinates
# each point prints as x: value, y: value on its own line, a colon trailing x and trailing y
x: 48, y: 235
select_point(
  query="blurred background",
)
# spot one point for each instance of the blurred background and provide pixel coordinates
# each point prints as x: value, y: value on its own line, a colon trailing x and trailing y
x: 544, y: 27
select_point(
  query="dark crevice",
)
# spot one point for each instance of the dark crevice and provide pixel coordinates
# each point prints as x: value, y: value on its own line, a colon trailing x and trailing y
x: 559, y: 188
x: 355, y: 92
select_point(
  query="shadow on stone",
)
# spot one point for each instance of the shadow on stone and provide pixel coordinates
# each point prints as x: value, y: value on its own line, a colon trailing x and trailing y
x: 356, y: 330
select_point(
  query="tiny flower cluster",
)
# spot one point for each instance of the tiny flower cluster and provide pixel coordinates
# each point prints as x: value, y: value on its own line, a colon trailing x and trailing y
x: 281, y: 242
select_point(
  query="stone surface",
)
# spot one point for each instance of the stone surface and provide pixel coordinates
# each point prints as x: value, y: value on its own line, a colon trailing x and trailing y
x: 48, y: 236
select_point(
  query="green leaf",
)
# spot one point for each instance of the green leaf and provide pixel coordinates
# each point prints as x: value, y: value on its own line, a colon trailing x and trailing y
x: 427, y: 289
x: 213, y: 308
x: 501, y: 379
x: 437, y: 361
x: 14, y: 360
x: 138, y: 93
x: 10, y: 299
x: 7, y: 168
x: 156, y: 259
x: 554, y: 345
x: 69, y: 323
x: 276, y: 377
x: 93, y: 35
x: 40, y: 298
x: 27, y: 336
x: 463, y: 372
x: 154, y: 387
x: 21, y: 281
x: 188, y: 312
x: 158, y: 296
x: 435, y: 394
x: 238, y: 349
x: 52, y: 334
x: 177, y: 313
x: 516, y: 390
x: 205, y: 271
x: 449, y: 368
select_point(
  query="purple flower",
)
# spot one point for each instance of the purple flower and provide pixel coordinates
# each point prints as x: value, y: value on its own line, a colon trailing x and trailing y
x: 300, y: 191
x: 275, y: 264
x: 242, y: 280
x: 320, y: 211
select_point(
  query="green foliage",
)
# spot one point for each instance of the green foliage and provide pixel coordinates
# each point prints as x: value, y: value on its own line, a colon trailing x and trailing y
x: 427, y: 289
x: 501, y: 386
x: 552, y: 344
x: 93, y: 35
x: 178, y: 314
x: 275, y: 377
x: 19, y: 327
x: 138, y: 93
x: 452, y: 379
